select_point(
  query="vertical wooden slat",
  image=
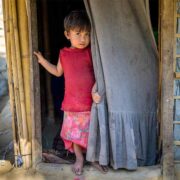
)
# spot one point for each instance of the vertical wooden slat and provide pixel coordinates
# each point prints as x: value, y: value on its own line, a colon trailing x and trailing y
x: 167, y: 44
x: 35, y: 84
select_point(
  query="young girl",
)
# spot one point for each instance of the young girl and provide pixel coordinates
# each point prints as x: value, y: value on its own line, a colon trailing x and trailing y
x: 76, y: 64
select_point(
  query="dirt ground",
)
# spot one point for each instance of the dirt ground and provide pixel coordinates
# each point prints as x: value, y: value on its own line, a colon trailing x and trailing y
x: 47, y: 171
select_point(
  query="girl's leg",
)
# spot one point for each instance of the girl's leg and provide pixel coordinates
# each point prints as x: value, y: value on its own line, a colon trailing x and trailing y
x: 78, y: 165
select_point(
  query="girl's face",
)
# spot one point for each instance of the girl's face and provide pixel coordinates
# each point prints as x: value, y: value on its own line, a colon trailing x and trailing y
x: 78, y: 39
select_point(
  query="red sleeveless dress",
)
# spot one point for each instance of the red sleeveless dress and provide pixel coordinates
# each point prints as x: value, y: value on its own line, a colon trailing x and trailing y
x: 79, y: 80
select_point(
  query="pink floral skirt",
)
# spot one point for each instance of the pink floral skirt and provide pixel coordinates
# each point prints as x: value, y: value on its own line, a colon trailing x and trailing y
x: 75, y: 129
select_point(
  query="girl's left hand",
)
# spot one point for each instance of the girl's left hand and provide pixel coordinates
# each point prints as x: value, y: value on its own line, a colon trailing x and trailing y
x: 39, y: 56
x: 96, y: 97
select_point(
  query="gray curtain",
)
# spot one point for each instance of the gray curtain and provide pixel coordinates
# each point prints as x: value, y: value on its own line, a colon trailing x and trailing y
x: 123, y: 127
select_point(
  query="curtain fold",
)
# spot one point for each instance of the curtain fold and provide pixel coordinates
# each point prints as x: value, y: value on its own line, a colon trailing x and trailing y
x: 123, y: 128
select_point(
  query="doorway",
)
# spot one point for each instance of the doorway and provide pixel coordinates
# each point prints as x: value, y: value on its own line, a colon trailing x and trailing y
x: 50, y: 39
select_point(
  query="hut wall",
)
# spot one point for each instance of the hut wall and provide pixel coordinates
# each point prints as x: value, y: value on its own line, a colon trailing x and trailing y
x: 18, y: 63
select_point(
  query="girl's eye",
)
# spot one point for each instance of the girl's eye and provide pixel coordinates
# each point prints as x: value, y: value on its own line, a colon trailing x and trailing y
x: 77, y: 33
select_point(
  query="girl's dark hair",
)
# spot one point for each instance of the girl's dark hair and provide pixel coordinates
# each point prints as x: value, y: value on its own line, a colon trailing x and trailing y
x: 77, y: 19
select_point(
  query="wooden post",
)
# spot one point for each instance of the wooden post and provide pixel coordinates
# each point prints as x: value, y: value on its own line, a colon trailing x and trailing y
x: 167, y: 51
x: 35, y: 84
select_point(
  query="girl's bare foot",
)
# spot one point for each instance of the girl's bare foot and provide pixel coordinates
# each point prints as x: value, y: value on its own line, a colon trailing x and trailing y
x: 77, y: 168
x: 103, y: 169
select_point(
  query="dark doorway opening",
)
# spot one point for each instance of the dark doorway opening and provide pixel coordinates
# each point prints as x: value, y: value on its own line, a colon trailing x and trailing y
x: 51, y: 39
x: 154, y: 11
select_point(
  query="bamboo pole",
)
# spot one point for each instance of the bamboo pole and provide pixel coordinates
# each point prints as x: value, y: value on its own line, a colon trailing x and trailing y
x: 19, y: 68
x: 24, y: 46
x: 24, y: 145
x: 25, y: 60
x: 14, y: 69
x: 10, y: 77
x: 14, y: 72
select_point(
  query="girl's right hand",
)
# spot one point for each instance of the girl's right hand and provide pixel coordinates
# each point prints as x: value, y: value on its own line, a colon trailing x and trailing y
x: 39, y: 56
x: 96, y: 97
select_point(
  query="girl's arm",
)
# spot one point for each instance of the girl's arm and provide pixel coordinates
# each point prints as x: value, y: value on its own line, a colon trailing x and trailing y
x: 55, y: 70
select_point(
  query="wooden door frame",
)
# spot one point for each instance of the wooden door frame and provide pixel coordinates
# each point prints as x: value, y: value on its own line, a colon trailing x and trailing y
x: 167, y: 43
x: 35, y: 84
